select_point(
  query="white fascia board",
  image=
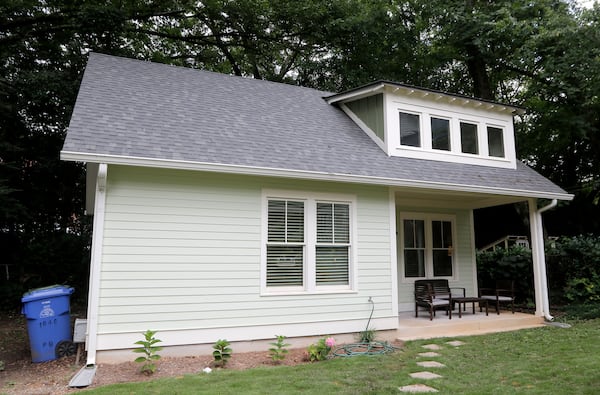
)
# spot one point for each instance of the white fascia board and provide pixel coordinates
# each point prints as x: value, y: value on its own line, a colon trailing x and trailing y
x: 357, y: 94
x: 302, y: 174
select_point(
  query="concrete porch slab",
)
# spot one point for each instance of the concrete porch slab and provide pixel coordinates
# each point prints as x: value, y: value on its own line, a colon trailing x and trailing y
x: 411, y: 328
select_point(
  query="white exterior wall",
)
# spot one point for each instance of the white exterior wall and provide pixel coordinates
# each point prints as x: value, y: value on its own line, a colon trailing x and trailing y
x: 181, y: 255
x: 465, y: 275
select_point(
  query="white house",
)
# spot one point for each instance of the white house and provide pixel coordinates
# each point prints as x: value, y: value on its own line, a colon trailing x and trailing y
x: 227, y: 207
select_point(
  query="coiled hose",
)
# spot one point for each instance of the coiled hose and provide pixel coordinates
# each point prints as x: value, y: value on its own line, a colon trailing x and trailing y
x: 364, y: 348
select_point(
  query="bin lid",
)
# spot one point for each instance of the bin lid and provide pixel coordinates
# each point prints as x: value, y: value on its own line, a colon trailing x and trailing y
x: 47, y: 292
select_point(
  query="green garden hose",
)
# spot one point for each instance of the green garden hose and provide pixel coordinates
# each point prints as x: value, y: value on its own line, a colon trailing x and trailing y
x: 365, y: 348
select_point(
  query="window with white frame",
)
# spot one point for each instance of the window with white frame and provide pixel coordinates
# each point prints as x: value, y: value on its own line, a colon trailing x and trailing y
x: 495, y: 141
x: 440, y: 134
x: 410, y: 129
x: 308, y: 244
x: 333, y: 243
x: 427, y: 245
x: 468, y: 138
x: 285, y: 243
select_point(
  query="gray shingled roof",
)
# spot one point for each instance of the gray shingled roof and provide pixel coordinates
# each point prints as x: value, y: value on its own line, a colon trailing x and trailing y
x: 130, y: 109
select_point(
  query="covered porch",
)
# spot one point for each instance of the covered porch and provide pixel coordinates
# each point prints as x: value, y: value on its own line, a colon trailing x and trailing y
x: 452, y: 212
x: 411, y: 328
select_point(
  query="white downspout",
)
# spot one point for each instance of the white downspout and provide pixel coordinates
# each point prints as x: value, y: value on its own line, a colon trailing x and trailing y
x: 538, y: 256
x: 95, y: 265
x: 550, y: 205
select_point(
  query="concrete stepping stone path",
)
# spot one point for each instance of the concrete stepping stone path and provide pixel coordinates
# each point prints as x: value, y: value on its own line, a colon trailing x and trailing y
x: 425, y: 375
x: 431, y: 364
x: 432, y: 347
x: 429, y: 354
x: 417, y: 388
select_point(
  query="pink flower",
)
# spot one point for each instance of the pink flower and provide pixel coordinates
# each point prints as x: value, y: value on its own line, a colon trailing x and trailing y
x: 330, y: 342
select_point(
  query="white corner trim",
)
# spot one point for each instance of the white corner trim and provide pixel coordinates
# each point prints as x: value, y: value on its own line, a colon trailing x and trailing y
x: 301, y: 174
x: 96, y: 264
x: 393, y: 250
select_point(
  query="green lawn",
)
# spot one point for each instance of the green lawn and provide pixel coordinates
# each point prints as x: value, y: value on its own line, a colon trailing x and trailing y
x: 547, y: 360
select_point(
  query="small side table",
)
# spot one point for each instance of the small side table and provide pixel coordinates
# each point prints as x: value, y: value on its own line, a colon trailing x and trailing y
x: 471, y: 299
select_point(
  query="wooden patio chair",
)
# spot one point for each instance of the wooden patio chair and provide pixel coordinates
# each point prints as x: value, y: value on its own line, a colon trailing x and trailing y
x: 426, y: 297
x: 503, y: 293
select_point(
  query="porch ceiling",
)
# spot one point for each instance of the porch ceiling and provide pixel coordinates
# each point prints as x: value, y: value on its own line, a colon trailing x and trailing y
x: 451, y: 199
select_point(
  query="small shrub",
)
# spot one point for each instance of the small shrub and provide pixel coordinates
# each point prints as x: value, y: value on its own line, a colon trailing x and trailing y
x: 279, y: 350
x: 587, y: 311
x: 586, y: 290
x: 150, y: 352
x: 367, y: 336
x: 1, y: 366
x: 321, y: 349
x: 222, y: 352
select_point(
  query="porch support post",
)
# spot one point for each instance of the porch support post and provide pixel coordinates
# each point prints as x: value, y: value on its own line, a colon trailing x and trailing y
x: 542, y: 304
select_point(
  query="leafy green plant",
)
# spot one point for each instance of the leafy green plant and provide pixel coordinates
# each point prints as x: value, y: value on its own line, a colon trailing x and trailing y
x: 367, y: 336
x: 583, y: 289
x: 149, y: 350
x: 222, y: 352
x: 279, y: 350
x: 320, y: 350
x: 1, y: 366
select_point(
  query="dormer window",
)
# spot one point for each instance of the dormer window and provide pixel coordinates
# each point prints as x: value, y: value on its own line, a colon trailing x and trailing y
x: 440, y: 134
x: 495, y: 142
x: 417, y: 123
x: 410, y: 129
x: 468, y: 138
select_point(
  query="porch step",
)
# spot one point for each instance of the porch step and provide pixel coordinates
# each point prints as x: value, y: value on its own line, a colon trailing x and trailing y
x: 411, y: 328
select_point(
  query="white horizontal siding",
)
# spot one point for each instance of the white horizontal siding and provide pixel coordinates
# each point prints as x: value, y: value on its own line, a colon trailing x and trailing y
x: 182, y: 252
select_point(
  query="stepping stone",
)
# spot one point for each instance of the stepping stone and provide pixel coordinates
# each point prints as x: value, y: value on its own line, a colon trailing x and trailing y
x: 425, y: 375
x: 456, y: 343
x: 416, y: 388
x: 432, y: 347
x: 429, y: 354
x: 431, y: 364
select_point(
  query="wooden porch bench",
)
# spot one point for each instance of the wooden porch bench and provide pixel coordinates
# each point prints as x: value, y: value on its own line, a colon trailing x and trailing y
x: 434, y: 294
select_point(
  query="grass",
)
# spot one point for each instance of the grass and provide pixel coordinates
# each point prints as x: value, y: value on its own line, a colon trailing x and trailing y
x: 546, y: 360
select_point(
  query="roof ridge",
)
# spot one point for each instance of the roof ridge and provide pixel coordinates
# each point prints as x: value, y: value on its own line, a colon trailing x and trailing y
x: 151, y: 63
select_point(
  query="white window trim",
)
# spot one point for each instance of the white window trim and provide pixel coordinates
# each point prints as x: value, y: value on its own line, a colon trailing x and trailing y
x: 421, y: 138
x: 428, y: 218
x: 430, y: 117
x: 310, y: 200
x: 478, y: 126
x: 487, y: 143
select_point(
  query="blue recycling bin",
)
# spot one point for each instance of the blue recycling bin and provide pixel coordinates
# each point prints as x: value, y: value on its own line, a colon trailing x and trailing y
x: 48, y: 322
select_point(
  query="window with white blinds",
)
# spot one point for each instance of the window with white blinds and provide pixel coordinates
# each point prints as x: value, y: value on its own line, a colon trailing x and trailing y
x: 308, y: 244
x: 333, y: 243
x: 285, y: 243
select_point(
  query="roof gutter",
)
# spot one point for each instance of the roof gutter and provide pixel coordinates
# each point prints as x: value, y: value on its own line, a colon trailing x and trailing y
x: 303, y: 174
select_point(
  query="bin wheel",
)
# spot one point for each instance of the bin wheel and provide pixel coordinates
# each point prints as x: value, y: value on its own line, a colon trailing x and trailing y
x: 64, y: 348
